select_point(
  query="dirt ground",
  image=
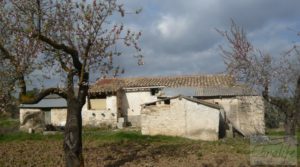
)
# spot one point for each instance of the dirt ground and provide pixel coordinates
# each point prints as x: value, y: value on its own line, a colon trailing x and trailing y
x: 127, y: 154
x: 127, y: 148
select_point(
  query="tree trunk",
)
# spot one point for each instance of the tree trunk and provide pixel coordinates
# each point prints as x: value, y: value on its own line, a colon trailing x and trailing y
x: 290, y: 130
x: 73, y: 138
x: 292, y: 114
x: 297, y: 102
x: 290, y: 125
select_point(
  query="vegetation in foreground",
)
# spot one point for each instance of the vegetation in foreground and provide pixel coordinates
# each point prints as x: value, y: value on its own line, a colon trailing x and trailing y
x: 123, y: 148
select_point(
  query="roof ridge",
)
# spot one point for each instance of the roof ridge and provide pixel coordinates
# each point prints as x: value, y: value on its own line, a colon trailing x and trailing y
x: 193, y: 80
x: 174, y: 76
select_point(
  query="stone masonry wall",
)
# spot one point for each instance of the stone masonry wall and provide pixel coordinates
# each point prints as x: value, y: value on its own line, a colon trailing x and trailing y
x: 181, y: 118
x: 245, y: 112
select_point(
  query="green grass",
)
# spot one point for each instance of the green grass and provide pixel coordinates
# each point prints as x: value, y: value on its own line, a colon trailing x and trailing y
x: 272, y: 132
x: 100, y: 136
x: 8, y: 122
x: 22, y: 136
x: 110, y: 136
x: 107, y: 136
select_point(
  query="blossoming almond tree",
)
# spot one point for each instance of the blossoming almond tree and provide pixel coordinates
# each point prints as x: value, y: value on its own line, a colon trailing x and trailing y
x: 251, y: 66
x: 76, y: 36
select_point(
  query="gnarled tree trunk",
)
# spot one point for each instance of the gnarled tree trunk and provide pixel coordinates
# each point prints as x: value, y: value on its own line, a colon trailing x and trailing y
x: 72, y: 136
x: 73, y: 127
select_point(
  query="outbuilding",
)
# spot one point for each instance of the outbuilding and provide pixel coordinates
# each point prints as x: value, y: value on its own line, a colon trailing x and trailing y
x: 51, y: 110
x: 183, y: 116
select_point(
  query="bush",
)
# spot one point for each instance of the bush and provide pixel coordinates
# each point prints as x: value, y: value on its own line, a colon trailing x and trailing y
x: 272, y: 117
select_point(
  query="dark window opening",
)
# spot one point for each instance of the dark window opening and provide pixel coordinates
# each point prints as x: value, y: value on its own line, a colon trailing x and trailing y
x: 167, y: 101
x: 46, y: 109
x: 98, y: 96
x: 154, y: 91
x: 150, y: 104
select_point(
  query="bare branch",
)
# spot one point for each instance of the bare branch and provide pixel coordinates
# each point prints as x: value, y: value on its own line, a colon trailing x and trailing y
x: 73, y: 52
x: 24, y: 99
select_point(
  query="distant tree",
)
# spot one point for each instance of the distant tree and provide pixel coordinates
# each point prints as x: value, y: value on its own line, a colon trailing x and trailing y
x: 71, y: 37
x: 249, y: 65
x: 7, y: 101
x: 289, y: 77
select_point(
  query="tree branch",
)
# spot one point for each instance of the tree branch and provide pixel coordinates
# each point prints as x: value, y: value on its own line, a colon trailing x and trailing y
x: 24, y: 99
x: 62, y: 63
x: 5, y: 52
x: 69, y: 50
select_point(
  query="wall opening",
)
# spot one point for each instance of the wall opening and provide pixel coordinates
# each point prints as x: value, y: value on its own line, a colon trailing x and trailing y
x: 47, y: 115
x: 154, y: 91
x: 97, y: 102
x: 167, y: 102
x: 222, y: 127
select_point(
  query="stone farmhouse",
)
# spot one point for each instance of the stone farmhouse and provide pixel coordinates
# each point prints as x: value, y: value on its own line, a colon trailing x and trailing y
x: 204, y: 107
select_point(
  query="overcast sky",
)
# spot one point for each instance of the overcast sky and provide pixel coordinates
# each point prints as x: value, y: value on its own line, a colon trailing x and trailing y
x: 179, y: 37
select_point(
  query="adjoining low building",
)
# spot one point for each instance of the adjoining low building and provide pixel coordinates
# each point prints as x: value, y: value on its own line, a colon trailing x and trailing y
x: 50, y: 110
x: 183, y: 116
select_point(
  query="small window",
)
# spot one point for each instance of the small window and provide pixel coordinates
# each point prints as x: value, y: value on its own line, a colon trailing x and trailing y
x: 154, y: 91
x: 150, y: 104
x: 167, y: 102
x: 98, y: 103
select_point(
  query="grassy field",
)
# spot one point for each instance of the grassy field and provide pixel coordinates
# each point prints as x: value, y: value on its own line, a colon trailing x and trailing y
x: 123, y: 148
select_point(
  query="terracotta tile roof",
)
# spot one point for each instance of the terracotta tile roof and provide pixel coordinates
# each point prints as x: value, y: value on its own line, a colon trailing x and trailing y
x: 112, y: 85
x: 107, y: 85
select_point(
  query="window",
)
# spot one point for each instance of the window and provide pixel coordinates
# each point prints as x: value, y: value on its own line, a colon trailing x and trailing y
x: 167, y: 102
x: 154, y: 91
x: 98, y: 102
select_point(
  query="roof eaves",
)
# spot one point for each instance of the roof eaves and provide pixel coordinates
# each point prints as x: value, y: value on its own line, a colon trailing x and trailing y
x: 216, y: 106
x: 212, y: 105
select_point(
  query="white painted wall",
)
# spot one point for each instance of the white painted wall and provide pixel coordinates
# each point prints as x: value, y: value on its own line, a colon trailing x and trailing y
x: 58, y: 117
x: 181, y: 118
x: 132, y: 101
x: 202, y: 122
x: 131, y: 105
x: 107, y: 117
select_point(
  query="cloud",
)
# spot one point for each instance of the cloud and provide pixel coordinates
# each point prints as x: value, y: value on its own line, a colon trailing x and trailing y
x: 172, y: 28
x: 180, y: 37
